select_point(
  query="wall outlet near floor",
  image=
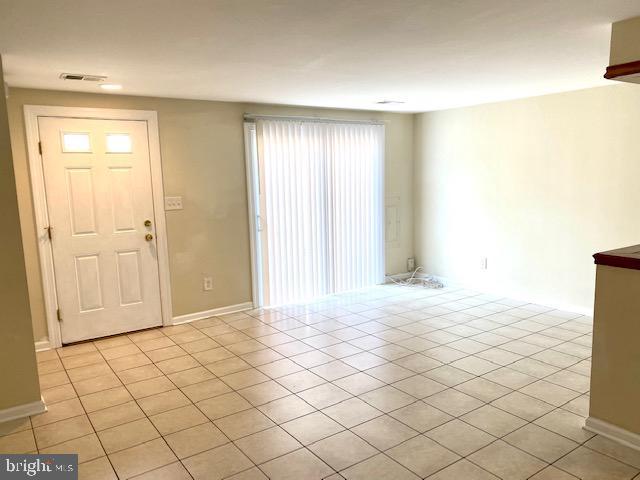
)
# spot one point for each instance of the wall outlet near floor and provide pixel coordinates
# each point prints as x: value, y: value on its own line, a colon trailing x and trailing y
x: 484, y: 263
x: 411, y: 264
x: 207, y: 283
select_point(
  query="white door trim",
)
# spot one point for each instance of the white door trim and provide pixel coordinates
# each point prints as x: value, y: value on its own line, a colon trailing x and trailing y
x: 253, y: 207
x: 31, y: 114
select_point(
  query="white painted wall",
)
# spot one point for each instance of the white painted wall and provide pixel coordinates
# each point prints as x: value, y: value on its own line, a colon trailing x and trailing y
x: 536, y: 185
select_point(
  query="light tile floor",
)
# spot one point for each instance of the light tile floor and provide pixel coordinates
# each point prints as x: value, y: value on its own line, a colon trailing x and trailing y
x: 387, y: 383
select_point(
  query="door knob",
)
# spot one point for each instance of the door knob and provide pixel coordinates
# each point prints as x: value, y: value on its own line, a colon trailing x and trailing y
x: 148, y: 237
x: 147, y: 223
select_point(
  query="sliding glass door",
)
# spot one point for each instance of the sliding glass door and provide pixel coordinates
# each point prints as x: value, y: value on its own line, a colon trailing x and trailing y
x: 317, y: 195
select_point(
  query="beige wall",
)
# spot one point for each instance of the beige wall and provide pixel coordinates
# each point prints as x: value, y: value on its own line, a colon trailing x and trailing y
x: 535, y: 185
x: 615, y: 367
x: 18, y: 372
x: 203, y: 160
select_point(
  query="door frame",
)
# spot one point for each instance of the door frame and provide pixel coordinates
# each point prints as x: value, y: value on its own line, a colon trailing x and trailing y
x: 38, y: 192
x: 253, y: 210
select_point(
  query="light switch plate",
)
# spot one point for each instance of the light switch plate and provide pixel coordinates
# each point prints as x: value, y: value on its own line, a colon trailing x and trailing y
x: 173, y: 203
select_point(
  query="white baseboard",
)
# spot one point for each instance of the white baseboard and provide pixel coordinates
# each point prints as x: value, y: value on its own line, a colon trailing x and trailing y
x: 612, y: 432
x: 21, y: 411
x: 190, y: 317
x: 43, y: 345
x: 514, y: 295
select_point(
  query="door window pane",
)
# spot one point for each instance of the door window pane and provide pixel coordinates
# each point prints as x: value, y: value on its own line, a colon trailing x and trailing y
x: 118, y: 143
x: 73, y: 142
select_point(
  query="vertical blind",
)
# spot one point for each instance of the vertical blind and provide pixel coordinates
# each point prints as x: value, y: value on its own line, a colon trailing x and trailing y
x: 322, y: 207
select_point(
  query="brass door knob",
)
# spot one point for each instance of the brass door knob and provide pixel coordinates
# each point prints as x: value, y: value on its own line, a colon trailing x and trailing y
x: 147, y: 223
x: 148, y: 237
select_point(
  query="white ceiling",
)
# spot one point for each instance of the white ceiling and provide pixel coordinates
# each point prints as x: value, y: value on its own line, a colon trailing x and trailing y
x: 432, y: 54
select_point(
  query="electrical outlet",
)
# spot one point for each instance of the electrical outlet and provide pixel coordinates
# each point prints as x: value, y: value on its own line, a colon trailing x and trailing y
x: 173, y: 203
x: 484, y: 263
x: 411, y: 264
x: 207, y: 284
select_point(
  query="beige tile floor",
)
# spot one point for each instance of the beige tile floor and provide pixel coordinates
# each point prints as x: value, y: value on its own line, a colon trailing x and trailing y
x: 388, y: 383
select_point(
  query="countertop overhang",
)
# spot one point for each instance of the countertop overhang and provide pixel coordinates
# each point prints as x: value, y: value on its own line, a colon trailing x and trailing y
x: 627, y: 257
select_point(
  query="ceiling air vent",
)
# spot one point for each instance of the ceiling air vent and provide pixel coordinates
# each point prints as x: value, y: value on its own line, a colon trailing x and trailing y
x: 82, y: 76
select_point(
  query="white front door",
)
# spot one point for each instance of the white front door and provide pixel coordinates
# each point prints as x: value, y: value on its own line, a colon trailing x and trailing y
x: 100, y: 205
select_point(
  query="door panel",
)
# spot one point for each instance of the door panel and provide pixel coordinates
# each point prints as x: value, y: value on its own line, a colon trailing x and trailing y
x: 121, y: 183
x: 88, y: 282
x: 129, y: 277
x: 81, y: 201
x: 98, y: 185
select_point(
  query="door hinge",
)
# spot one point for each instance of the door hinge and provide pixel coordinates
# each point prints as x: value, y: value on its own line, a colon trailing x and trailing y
x: 40, y: 148
x: 59, y: 315
x: 49, y: 234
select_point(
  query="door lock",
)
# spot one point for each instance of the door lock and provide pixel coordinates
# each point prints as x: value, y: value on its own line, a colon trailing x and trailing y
x: 148, y: 237
x: 147, y: 223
